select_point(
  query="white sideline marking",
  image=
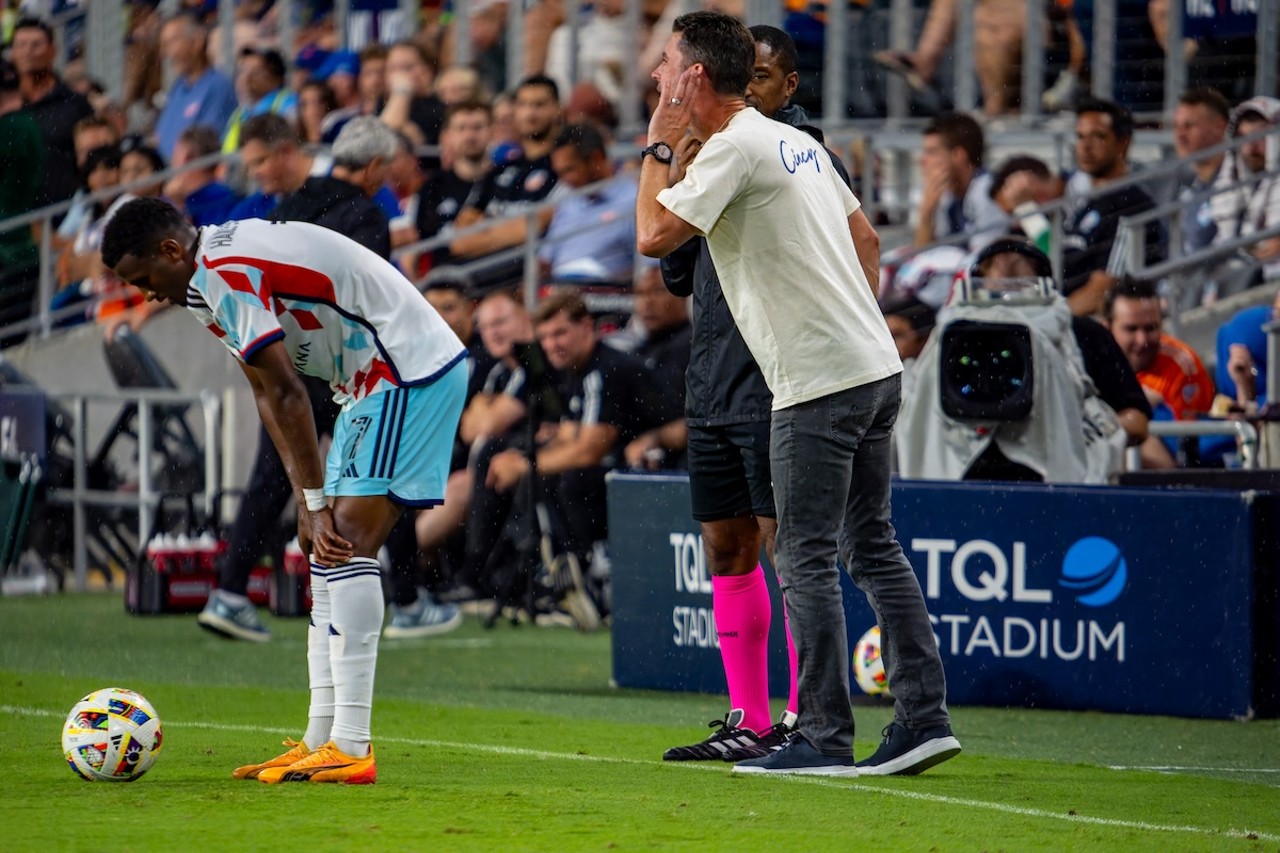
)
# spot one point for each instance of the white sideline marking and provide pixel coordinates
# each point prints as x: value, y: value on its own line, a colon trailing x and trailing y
x: 807, y: 780
x: 1188, y: 768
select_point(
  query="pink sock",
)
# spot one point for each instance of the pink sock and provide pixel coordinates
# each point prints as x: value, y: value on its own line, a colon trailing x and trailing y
x: 742, y: 611
x: 793, y: 664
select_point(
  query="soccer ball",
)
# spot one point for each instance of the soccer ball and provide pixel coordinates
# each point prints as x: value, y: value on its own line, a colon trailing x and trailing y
x: 868, y: 665
x: 111, y: 735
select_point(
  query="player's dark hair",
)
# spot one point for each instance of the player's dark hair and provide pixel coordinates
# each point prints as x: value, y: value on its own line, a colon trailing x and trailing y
x: 138, y: 227
x: 1121, y: 118
x: 1129, y: 287
x: 960, y: 130
x: 781, y: 45
x: 584, y: 139
x: 1209, y: 98
x: 540, y: 80
x: 722, y: 45
x: 269, y: 129
x: 566, y: 302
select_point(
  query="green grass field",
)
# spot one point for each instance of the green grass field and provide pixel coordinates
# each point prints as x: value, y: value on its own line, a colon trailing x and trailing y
x: 512, y: 739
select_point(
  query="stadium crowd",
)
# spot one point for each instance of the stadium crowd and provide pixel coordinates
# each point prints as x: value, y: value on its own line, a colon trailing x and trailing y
x: 394, y: 143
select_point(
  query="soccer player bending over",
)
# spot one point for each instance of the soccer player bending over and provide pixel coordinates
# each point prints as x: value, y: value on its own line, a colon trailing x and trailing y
x: 288, y: 298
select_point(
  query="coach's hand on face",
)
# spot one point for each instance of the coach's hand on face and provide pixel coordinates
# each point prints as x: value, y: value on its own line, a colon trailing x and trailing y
x: 674, y: 113
x: 317, y: 536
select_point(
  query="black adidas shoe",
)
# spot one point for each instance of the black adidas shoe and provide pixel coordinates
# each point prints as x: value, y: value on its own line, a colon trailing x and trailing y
x: 728, y: 737
x: 771, y: 741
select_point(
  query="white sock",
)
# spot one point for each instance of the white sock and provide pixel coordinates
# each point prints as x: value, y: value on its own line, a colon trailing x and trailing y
x: 356, y: 593
x: 319, y: 673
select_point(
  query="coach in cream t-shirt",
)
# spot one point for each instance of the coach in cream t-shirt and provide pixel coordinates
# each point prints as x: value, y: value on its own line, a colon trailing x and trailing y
x: 789, y: 270
x: 798, y: 264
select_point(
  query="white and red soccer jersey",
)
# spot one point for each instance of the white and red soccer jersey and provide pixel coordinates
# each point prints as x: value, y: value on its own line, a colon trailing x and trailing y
x: 344, y: 314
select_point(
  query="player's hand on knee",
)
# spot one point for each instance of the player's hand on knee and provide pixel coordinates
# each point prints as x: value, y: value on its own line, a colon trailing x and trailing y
x: 329, y: 548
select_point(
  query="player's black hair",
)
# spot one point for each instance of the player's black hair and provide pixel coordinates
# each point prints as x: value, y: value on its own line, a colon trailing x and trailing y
x: 722, y: 45
x: 1121, y: 118
x: 584, y: 139
x: 780, y: 44
x: 138, y: 227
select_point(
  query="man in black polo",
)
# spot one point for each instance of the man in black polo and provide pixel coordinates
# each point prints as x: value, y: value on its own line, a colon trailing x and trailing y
x: 54, y: 106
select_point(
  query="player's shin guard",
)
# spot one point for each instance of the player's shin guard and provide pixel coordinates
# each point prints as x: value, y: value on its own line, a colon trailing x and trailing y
x: 742, y: 610
x: 319, y: 673
x: 356, y: 593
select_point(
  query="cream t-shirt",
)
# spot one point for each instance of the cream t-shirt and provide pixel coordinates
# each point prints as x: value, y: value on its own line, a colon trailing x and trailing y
x: 775, y: 213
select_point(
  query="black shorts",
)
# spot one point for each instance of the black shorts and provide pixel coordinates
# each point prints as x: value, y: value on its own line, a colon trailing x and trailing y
x: 729, y: 473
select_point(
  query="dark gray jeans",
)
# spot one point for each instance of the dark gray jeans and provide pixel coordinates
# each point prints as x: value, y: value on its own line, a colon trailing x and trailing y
x: 830, y: 461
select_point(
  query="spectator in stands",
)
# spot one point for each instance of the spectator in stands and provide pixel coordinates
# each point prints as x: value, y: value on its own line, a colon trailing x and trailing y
x: 493, y: 421
x: 1242, y: 365
x: 1104, y: 130
x: 316, y: 103
x: 411, y: 106
x: 92, y: 132
x: 664, y: 348
x: 465, y: 163
x: 592, y: 236
x: 957, y: 189
x: 372, y: 82
x: 139, y: 161
x: 341, y: 72
x: 1241, y: 213
x: 200, y: 94
x: 519, y: 184
x: 458, y: 84
x: 55, y: 108
x: 610, y: 398
x: 342, y: 200
x: 405, y: 180
x: 21, y: 160
x: 197, y: 192
x: 998, y: 28
x: 260, y: 78
x: 910, y: 322
x: 1021, y: 186
x: 1169, y: 370
x: 272, y: 154
x: 603, y: 50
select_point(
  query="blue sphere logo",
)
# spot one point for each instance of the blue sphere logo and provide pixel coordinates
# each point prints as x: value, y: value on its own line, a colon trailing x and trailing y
x: 1096, y: 570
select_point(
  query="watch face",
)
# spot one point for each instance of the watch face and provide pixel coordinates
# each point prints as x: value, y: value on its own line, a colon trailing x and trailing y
x: 661, y: 152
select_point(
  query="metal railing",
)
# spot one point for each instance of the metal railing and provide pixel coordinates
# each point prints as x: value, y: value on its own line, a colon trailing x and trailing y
x: 146, y: 500
x: 1246, y: 435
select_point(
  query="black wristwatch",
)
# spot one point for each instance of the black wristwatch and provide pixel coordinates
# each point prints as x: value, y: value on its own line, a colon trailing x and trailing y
x: 660, y: 151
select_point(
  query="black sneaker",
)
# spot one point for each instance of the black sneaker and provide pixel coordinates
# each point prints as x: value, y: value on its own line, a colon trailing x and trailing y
x: 771, y: 741
x: 905, y: 752
x: 729, y: 736
x: 798, y: 757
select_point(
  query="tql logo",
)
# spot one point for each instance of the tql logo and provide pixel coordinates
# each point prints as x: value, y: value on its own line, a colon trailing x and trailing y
x: 1095, y: 570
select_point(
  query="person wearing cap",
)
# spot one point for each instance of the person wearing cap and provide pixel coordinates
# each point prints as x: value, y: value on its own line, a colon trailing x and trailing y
x: 200, y: 94
x: 261, y: 78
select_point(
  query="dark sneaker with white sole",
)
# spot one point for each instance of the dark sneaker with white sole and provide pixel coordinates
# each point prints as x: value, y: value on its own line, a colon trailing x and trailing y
x: 729, y: 736
x: 798, y: 757
x: 233, y: 621
x: 906, y: 752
